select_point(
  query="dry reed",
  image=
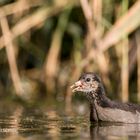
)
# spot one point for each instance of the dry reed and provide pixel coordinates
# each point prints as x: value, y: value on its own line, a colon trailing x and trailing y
x: 97, y: 43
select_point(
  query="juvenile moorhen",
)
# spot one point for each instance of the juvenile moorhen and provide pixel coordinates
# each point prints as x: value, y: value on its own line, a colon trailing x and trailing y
x: 101, y: 107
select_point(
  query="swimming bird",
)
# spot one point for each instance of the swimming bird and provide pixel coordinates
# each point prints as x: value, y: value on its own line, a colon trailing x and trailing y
x: 101, y: 107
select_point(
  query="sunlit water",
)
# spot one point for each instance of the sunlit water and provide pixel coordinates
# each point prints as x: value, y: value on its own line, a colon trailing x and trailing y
x: 19, y: 123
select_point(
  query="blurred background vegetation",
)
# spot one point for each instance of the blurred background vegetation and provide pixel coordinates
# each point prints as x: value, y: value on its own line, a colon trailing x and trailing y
x: 45, y: 45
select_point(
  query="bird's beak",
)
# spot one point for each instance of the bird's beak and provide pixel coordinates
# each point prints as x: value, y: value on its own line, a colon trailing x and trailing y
x: 76, y: 86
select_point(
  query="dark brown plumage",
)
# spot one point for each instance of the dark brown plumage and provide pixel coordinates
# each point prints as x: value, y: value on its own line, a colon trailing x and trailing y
x: 101, y: 107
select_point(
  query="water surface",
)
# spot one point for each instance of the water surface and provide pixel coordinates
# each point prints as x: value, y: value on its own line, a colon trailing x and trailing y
x: 18, y: 122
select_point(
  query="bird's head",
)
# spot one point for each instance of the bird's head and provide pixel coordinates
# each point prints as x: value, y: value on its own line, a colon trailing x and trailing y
x: 88, y: 82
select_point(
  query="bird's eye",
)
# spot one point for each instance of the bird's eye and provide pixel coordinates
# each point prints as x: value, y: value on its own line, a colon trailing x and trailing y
x: 88, y: 80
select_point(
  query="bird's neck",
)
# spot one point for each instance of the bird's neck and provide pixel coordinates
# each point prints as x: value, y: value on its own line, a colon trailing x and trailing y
x: 99, y: 97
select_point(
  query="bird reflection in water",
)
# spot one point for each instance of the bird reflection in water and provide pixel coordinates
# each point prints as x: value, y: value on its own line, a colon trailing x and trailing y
x: 109, y: 131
